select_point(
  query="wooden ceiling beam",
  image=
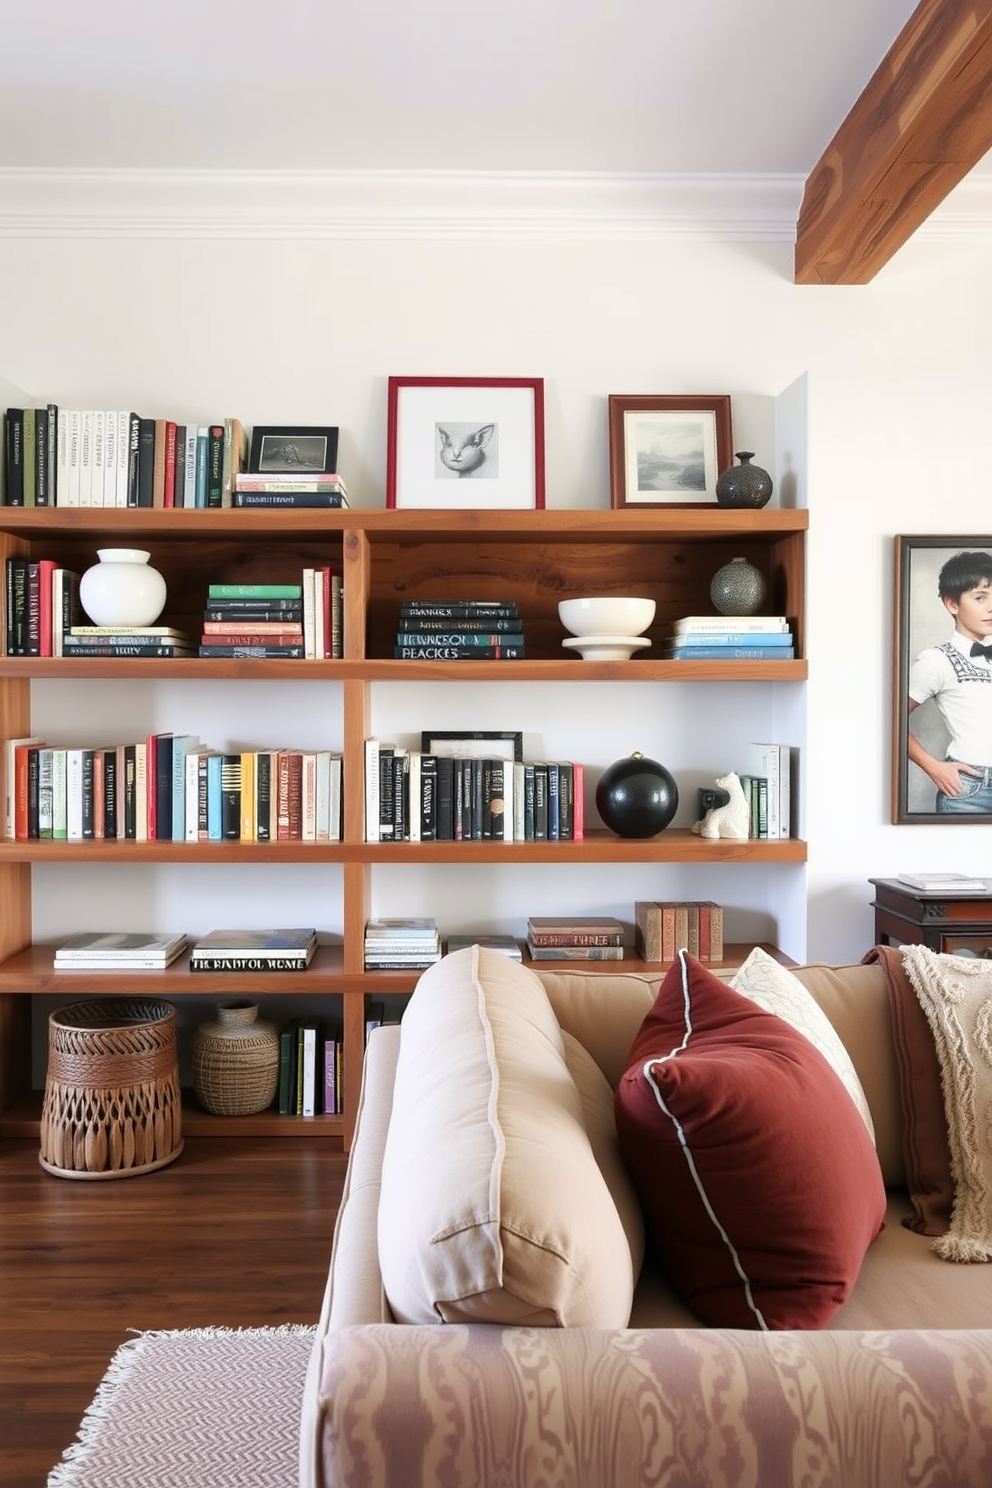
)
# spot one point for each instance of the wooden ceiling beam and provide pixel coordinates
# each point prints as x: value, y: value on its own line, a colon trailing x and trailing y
x: 921, y: 124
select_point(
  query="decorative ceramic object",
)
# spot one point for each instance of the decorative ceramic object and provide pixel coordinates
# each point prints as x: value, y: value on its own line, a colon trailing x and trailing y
x: 744, y: 484
x: 606, y: 647
x: 732, y: 819
x: 606, y: 615
x: 738, y: 588
x: 235, y: 1061
x: 636, y: 797
x: 122, y: 589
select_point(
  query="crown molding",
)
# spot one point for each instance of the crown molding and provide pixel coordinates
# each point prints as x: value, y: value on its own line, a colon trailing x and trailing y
x: 380, y: 204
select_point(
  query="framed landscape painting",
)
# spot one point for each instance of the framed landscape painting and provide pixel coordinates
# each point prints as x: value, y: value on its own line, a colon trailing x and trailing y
x: 668, y: 451
x: 942, y: 689
x: 465, y: 442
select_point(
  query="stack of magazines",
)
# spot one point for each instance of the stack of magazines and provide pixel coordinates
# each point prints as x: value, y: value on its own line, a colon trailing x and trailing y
x: 254, y: 950
x: 401, y: 944
x: 118, y: 950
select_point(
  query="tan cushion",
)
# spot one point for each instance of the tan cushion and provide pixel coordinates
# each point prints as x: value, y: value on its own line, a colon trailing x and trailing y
x: 604, y: 1010
x: 773, y: 987
x: 493, y: 1207
x: 855, y: 1000
x: 596, y: 1098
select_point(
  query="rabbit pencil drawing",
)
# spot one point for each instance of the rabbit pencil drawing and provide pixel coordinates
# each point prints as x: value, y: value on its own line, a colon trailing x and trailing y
x: 463, y: 451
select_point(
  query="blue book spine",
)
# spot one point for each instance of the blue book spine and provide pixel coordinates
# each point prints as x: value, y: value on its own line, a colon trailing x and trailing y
x: 733, y: 638
x: 214, y: 833
x: 180, y: 746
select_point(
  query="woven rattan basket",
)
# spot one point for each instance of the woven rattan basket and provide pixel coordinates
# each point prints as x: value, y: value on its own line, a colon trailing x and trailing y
x: 112, y: 1106
x: 235, y: 1061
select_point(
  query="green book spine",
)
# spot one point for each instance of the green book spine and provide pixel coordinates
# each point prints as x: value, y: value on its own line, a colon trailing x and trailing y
x: 255, y: 591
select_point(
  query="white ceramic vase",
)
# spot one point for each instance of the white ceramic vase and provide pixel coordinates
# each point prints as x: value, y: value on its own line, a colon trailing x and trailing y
x: 122, y: 589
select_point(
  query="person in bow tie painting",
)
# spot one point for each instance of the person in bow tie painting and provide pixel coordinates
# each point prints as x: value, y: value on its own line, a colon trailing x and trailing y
x: 957, y: 675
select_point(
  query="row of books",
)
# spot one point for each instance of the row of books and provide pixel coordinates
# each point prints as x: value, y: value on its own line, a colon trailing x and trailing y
x: 275, y: 620
x: 286, y: 490
x: 766, y: 779
x: 415, y: 796
x: 662, y: 928
x: 459, y: 630
x: 116, y: 458
x: 170, y: 788
x: 219, y: 950
x: 401, y: 944
x: 730, y: 638
x: 311, y: 1070
x: 41, y: 607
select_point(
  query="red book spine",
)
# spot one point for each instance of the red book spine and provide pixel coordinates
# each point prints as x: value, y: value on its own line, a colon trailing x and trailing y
x: 46, y: 570
x: 150, y: 784
x: 578, y: 801
x: 169, y: 491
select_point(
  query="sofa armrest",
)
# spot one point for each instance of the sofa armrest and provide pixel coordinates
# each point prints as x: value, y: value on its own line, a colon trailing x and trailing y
x: 474, y: 1406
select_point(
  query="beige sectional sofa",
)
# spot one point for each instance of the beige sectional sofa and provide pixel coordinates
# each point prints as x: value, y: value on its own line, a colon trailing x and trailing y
x: 494, y: 1317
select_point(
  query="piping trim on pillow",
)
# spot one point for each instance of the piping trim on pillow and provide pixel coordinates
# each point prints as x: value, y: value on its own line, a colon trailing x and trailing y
x: 687, y: 1150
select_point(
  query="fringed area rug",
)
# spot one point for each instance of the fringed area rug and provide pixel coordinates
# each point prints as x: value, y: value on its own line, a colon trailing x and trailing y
x: 200, y: 1408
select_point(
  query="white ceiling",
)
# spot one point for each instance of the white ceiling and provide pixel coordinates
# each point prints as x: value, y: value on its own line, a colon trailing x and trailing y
x: 588, y: 86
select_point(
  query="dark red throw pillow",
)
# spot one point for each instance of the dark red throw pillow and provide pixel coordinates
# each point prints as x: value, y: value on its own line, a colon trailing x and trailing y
x: 760, y: 1185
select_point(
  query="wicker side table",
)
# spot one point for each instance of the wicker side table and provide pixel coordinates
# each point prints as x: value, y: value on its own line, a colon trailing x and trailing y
x: 112, y: 1106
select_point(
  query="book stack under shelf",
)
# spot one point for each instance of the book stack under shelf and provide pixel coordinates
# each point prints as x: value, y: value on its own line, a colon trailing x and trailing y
x: 530, y: 558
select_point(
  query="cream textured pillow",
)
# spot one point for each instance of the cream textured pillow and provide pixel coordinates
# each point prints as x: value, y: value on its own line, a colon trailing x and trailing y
x: 493, y: 1208
x: 773, y: 987
x: 955, y: 993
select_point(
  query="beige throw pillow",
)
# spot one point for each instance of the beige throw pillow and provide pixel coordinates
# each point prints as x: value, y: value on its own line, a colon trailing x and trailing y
x: 955, y: 993
x: 493, y: 1207
x: 772, y: 986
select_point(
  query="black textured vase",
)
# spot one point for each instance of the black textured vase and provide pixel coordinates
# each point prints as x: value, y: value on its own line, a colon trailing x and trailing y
x: 636, y: 797
x: 744, y: 484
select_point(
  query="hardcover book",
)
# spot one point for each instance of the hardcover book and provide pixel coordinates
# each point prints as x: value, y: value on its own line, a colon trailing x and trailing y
x: 119, y: 945
x: 579, y: 930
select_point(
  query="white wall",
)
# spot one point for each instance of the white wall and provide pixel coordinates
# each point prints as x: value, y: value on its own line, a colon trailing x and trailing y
x: 899, y: 387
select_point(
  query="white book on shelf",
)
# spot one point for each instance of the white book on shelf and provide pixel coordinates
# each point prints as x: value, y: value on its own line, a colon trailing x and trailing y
x: 189, y: 458
x: 86, y: 459
x: 110, y: 433
x: 319, y: 647
x: 334, y: 809
x: 773, y: 762
x: 322, y: 812
x: 415, y: 803
x: 308, y: 791
x: 123, y: 457
x: 308, y: 1081
x: 74, y: 794
x: 62, y: 459
x: 371, y: 790
x: 74, y: 455
x: 508, y: 793
x: 309, y: 616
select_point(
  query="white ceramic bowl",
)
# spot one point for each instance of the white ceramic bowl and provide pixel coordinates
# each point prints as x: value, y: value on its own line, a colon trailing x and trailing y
x: 606, y: 648
x: 606, y: 615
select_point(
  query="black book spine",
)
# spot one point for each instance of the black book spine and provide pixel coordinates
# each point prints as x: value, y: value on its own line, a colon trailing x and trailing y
x: 458, y: 805
x: 230, y: 799
x: 497, y: 799
x: 179, y: 481
x: 489, y: 766
x: 566, y: 785
x: 554, y: 815
x: 133, y: 459
x: 110, y: 793
x: 14, y: 456
x: 445, y: 798
x: 52, y: 453
x: 42, y: 494
x: 400, y: 785
x: 89, y: 820
x: 528, y: 803
x: 263, y: 794
x: 478, y: 798
x: 540, y: 802
x: 34, y: 778
x: 130, y: 786
x: 215, y: 464
x: 146, y: 461
x: 163, y: 788
x: 428, y: 798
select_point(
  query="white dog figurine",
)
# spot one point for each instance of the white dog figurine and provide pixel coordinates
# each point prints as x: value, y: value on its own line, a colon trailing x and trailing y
x: 731, y: 820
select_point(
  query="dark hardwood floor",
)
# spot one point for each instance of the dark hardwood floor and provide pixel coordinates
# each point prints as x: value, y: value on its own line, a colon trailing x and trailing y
x: 235, y: 1233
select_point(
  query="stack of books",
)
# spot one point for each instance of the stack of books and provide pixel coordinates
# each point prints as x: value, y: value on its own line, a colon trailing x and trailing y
x: 662, y: 928
x: 575, y: 938
x: 507, y: 945
x: 311, y: 1070
x: 41, y: 605
x: 401, y: 944
x: 118, y: 950
x: 254, y: 950
x: 127, y: 640
x: 459, y: 630
x: 260, y: 620
x: 730, y: 638
x: 286, y: 489
x: 766, y: 780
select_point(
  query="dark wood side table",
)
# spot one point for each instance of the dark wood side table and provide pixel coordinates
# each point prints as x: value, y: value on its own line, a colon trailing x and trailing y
x: 960, y: 924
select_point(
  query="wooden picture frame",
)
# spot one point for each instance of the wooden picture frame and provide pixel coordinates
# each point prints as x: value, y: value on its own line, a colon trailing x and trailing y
x: 934, y: 633
x: 465, y: 442
x: 290, y: 449
x: 507, y: 744
x: 668, y: 450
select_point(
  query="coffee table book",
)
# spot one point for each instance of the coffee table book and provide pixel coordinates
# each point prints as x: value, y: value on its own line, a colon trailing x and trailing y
x: 118, y: 951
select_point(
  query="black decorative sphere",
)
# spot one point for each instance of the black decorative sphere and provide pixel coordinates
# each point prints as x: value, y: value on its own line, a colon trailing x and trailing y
x: 636, y: 797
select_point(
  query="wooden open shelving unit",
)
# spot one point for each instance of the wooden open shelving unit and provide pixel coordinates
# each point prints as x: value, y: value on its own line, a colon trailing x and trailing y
x: 386, y: 557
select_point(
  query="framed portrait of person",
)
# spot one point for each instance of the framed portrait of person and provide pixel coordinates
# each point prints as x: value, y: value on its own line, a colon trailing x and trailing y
x: 942, y: 691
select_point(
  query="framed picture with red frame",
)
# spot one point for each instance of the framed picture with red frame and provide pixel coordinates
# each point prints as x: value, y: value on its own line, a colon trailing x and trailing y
x: 465, y: 443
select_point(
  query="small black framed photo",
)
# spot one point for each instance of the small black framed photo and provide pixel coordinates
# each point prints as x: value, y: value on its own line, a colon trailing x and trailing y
x: 942, y: 693
x: 505, y: 744
x: 285, y: 449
